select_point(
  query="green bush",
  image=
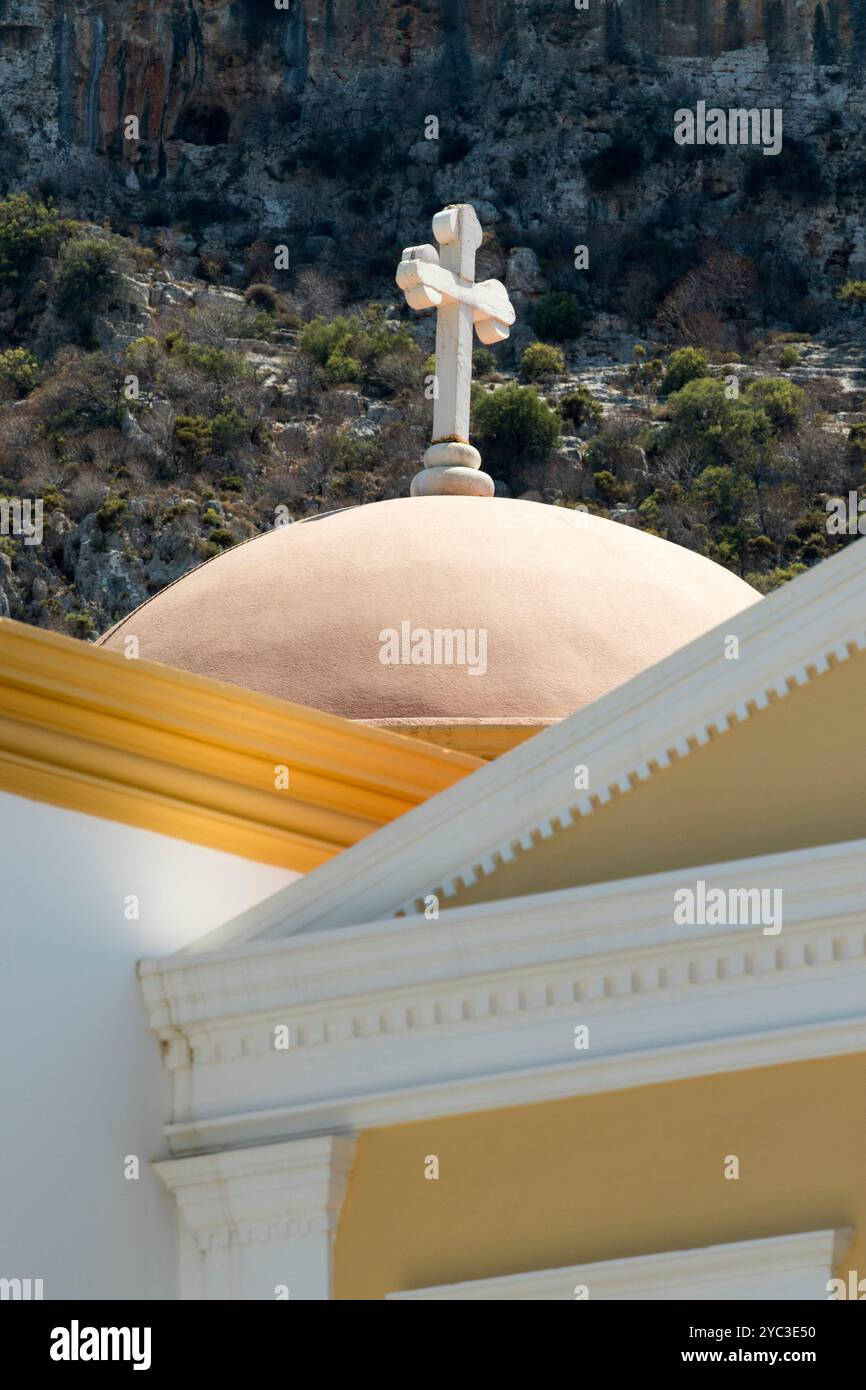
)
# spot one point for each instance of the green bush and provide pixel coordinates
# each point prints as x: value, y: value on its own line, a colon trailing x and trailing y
x: 727, y: 492
x: 86, y: 277
x: 789, y: 357
x: 192, y: 437
x: 609, y: 487
x: 558, y: 317
x: 213, y: 363
x: 53, y: 499
x: 348, y: 347
x: 400, y: 370
x: 541, y: 360
x: 343, y: 369
x: 612, y: 452
x: 514, y: 422
x: 263, y: 296
x: 701, y: 407
x: 580, y: 407
x: 483, y: 362
x: 20, y: 369
x: 259, y: 325
x: 767, y: 581
x: 321, y: 338
x: 727, y: 432
x: 81, y: 624
x: 684, y: 365
x: 781, y: 401
x: 857, y: 441
x: 228, y: 430
x: 26, y: 227
x: 111, y: 512
x: 81, y: 393
x: 853, y: 293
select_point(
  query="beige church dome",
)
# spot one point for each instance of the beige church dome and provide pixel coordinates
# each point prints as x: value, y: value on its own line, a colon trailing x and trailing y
x: 468, y: 620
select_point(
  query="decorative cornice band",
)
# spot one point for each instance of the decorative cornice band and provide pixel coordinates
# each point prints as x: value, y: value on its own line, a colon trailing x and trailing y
x: 393, y: 1021
x: 528, y: 1086
x: 164, y: 750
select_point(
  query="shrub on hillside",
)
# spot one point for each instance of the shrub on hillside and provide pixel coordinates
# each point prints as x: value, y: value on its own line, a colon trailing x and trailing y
x: 398, y: 370
x: 781, y: 401
x: 684, y: 365
x: 609, y: 488
x: 112, y: 512
x: 617, y: 450
x: 192, y: 437
x: 19, y: 371
x: 348, y: 347
x: 221, y: 317
x: 86, y: 277
x: 725, y: 491
x: 715, y: 429
x: 579, y: 407
x: 26, y: 228
x: 541, y: 360
x: 228, y: 430
x: 84, y: 392
x: 483, y: 362
x: 557, y: 317
x: 514, y: 424
x: 702, y: 409
x: 853, y: 293
x: 704, y: 305
x: 214, y: 364
x: 263, y: 296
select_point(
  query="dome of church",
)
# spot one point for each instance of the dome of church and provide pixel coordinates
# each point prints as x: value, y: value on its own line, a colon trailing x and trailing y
x: 470, y: 621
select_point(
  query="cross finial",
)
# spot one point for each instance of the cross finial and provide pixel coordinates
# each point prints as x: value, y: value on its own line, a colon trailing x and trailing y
x: 445, y: 280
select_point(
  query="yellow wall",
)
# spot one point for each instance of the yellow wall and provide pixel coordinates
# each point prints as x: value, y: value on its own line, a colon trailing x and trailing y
x: 608, y: 1176
x: 792, y: 775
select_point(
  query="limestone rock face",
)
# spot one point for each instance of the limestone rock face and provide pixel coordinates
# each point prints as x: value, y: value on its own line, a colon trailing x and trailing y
x: 309, y: 124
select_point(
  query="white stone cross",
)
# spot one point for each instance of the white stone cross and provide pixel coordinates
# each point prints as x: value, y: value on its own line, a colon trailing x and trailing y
x: 445, y: 281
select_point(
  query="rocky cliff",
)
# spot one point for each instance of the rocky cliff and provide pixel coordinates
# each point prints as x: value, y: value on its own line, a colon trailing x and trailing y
x: 308, y: 126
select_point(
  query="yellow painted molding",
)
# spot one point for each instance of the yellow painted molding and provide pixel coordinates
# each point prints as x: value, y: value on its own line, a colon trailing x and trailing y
x: 484, y: 738
x: 161, y: 749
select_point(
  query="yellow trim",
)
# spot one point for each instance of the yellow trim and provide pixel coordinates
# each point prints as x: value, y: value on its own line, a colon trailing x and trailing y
x: 484, y: 738
x: 151, y: 746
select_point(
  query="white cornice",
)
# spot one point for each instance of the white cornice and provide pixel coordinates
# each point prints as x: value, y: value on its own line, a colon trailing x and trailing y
x: 371, y: 1109
x: 826, y: 883
x: 401, y: 1020
x: 787, y: 1267
x: 468, y: 831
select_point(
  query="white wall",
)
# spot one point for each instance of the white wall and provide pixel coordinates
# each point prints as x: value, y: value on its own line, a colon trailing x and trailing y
x: 81, y: 1080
